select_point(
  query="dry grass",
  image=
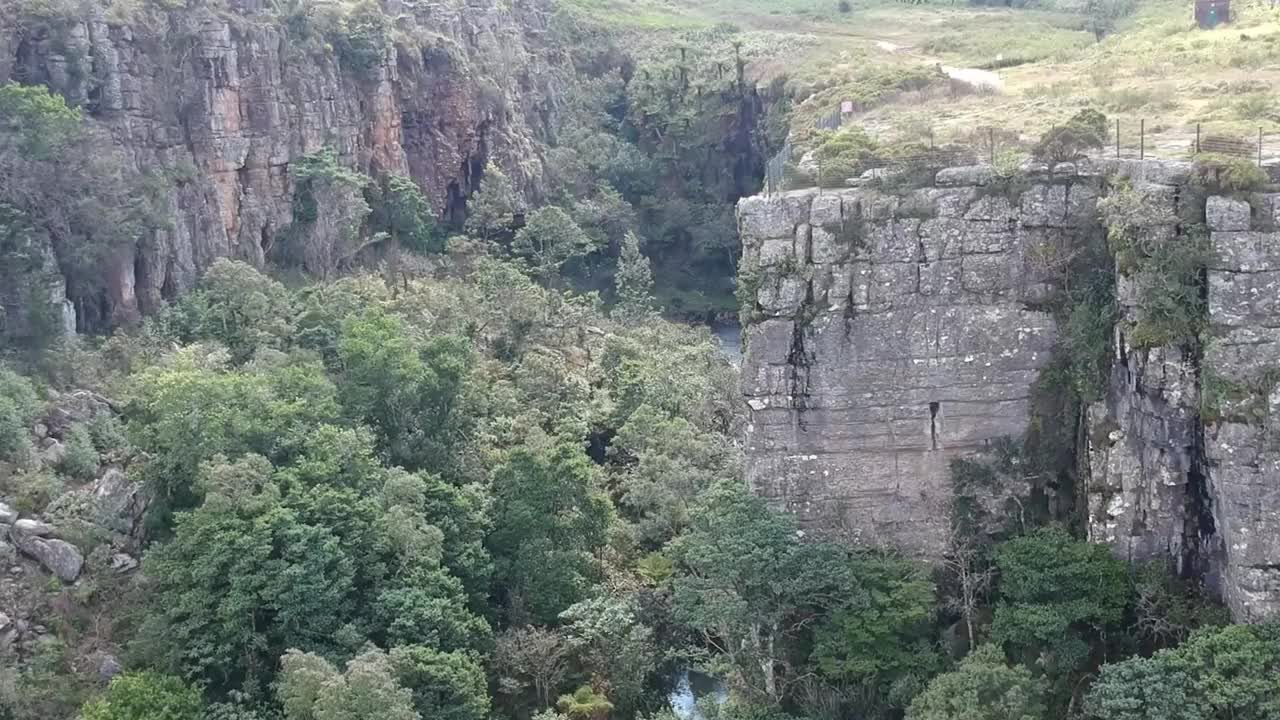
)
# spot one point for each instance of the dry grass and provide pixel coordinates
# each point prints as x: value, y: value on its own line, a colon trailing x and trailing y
x: 1157, y: 66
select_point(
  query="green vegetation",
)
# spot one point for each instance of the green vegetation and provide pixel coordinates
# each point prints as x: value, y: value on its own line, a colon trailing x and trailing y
x: 145, y: 696
x: 468, y: 487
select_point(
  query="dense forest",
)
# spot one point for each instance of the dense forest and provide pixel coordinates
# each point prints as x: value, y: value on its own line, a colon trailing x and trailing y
x: 421, y: 466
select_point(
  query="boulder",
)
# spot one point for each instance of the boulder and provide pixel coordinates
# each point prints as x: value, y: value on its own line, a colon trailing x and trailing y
x: 123, y: 562
x: 8, y: 515
x: 58, y: 557
x: 32, y: 528
x: 74, y: 407
x: 53, y: 453
x: 108, y: 666
x: 123, y: 502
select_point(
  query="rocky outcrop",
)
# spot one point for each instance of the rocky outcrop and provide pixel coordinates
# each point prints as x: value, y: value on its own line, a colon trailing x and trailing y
x: 1242, y: 375
x: 894, y: 334
x: 891, y: 334
x: 216, y: 100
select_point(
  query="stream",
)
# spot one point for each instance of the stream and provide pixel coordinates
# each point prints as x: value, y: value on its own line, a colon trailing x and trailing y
x: 692, y: 687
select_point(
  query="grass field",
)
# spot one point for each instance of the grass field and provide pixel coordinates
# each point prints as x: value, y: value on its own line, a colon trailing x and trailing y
x: 1156, y: 66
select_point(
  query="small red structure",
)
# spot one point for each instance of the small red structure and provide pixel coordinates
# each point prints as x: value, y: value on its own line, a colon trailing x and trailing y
x: 1212, y: 13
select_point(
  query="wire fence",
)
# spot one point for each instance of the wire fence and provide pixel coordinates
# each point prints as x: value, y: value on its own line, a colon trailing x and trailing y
x: 930, y: 149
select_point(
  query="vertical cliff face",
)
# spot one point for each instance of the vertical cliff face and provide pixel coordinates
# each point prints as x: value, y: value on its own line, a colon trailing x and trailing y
x: 1241, y: 365
x: 216, y: 101
x: 891, y: 334
x: 894, y: 334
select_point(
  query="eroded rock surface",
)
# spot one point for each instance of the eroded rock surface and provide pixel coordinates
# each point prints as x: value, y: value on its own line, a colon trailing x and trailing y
x: 224, y: 100
x: 893, y: 335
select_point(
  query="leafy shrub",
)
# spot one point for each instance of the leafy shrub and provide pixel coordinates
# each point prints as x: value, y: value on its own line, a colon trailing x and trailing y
x: 18, y: 408
x: 135, y: 696
x: 1086, y: 130
x: 1228, y: 173
x: 844, y: 154
x: 31, y: 491
x: 1257, y: 106
x: 107, y: 433
x: 81, y: 460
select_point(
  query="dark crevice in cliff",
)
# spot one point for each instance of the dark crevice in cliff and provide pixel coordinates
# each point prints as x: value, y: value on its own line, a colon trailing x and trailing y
x: 933, y: 424
x: 799, y: 362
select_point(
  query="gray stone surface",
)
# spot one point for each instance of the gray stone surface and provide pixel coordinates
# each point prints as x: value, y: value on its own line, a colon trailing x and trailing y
x: 57, y: 556
x: 903, y: 332
x: 902, y: 340
x: 1244, y: 482
x: 1226, y: 214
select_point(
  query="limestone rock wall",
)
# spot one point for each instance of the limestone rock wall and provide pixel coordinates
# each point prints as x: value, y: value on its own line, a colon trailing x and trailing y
x: 1242, y: 369
x: 1143, y: 444
x: 220, y: 97
x: 892, y: 335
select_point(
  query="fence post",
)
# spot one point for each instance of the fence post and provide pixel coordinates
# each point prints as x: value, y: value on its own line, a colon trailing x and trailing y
x: 1259, y: 146
x: 1142, y: 139
x: 991, y: 143
x: 1117, y: 138
x: 1197, y: 138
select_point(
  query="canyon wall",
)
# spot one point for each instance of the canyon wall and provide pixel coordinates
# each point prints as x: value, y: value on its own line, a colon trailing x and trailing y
x: 216, y: 99
x: 892, y: 333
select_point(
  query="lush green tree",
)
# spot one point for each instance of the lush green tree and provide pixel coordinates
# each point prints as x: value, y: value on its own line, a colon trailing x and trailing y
x: 603, y: 215
x: 492, y: 209
x: 661, y: 465
x: 549, y: 239
x: 881, y: 632
x: 145, y: 696
x: 406, y: 387
x: 1233, y: 672
x: 746, y: 583
x: 404, y: 217
x: 312, y: 689
x: 192, y: 408
x: 445, y: 685
x: 609, y: 639
x: 429, y: 607
x: 633, y: 282
x: 19, y: 406
x: 983, y: 687
x: 1056, y: 595
x: 1141, y: 689
x: 548, y: 519
x: 242, y: 580
x: 81, y: 460
x: 237, y: 306
x: 461, y: 515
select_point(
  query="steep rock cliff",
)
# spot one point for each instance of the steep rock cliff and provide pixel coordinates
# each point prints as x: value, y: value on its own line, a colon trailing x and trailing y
x: 894, y: 335
x: 216, y: 100
x: 890, y: 334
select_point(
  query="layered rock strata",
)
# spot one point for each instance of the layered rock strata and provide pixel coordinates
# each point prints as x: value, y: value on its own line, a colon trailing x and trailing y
x: 895, y: 333
x: 890, y: 334
x: 217, y: 99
